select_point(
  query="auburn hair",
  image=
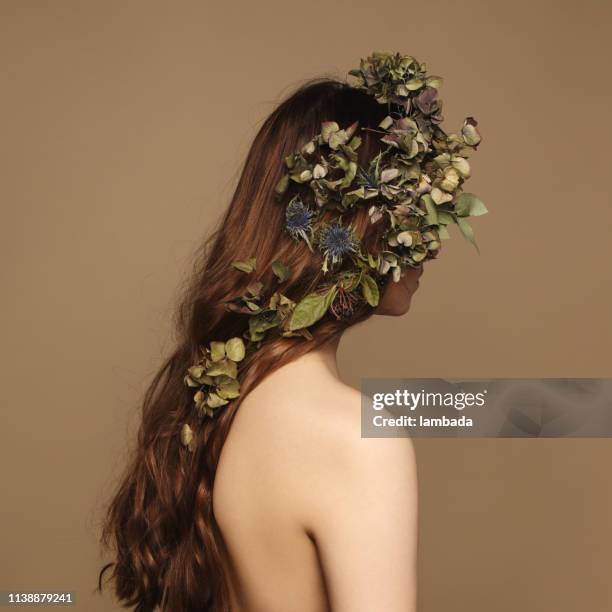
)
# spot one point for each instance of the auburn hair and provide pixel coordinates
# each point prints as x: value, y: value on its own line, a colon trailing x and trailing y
x: 167, y: 550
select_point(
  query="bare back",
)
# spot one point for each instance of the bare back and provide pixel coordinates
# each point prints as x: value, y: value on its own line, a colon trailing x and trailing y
x: 299, y: 495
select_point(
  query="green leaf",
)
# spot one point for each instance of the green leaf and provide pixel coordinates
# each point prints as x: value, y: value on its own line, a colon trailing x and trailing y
x: 217, y: 350
x: 432, y: 210
x: 468, y: 205
x: 445, y: 218
x: 226, y: 367
x: 354, y: 143
x: 311, y: 309
x: 187, y: 437
x: 290, y: 161
x: 214, y: 401
x: 247, y: 266
x: 196, y: 371
x: 282, y: 184
x: 467, y: 231
x: 327, y: 129
x: 350, y: 281
x: 349, y: 176
x: 228, y: 388
x: 414, y: 84
x: 261, y: 323
x: 369, y: 288
x: 190, y: 382
x: 281, y: 271
x: 433, y: 81
x: 337, y: 138
x: 234, y: 348
x: 254, y: 336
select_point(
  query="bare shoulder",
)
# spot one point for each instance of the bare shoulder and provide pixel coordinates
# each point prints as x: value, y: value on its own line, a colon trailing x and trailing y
x: 303, y: 429
x: 313, y: 411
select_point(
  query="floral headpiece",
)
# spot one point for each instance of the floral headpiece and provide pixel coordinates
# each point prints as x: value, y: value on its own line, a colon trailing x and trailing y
x: 413, y: 188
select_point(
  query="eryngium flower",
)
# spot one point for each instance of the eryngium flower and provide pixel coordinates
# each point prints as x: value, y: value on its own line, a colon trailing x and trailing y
x: 298, y: 220
x: 336, y: 241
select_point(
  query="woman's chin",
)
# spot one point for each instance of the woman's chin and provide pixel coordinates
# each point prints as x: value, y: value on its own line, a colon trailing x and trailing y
x: 396, y: 306
x: 397, y: 296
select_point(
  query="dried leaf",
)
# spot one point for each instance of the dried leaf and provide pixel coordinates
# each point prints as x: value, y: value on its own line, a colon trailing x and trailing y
x: 187, y: 438
x: 246, y: 266
x: 369, y: 289
x: 214, y: 401
x: 281, y: 271
x: 217, y: 350
x: 226, y: 366
x: 235, y: 350
x: 468, y: 205
x: 311, y: 309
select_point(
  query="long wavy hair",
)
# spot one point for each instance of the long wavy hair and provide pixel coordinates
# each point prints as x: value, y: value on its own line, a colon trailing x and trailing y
x: 167, y: 549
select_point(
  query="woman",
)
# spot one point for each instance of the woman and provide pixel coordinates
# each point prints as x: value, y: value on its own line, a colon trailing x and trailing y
x: 258, y: 493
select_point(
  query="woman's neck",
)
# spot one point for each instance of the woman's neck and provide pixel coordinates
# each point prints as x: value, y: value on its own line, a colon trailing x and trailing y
x: 326, y: 355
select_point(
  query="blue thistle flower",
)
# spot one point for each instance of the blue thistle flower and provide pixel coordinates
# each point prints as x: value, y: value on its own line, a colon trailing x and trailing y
x: 298, y: 220
x: 336, y: 241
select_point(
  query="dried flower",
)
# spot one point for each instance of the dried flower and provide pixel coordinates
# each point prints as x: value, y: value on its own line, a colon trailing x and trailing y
x: 298, y: 220
x: 335, y: 242
x: 214, y: 377
x: 412, y: 189
x: 427, y: 102
x: 343, y: 306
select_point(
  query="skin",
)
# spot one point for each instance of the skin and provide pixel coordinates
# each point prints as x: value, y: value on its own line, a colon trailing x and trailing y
x: 315, y: 518
x: 397, y: 297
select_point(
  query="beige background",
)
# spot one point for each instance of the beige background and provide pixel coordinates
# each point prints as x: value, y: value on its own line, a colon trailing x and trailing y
x: 123, y: 125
